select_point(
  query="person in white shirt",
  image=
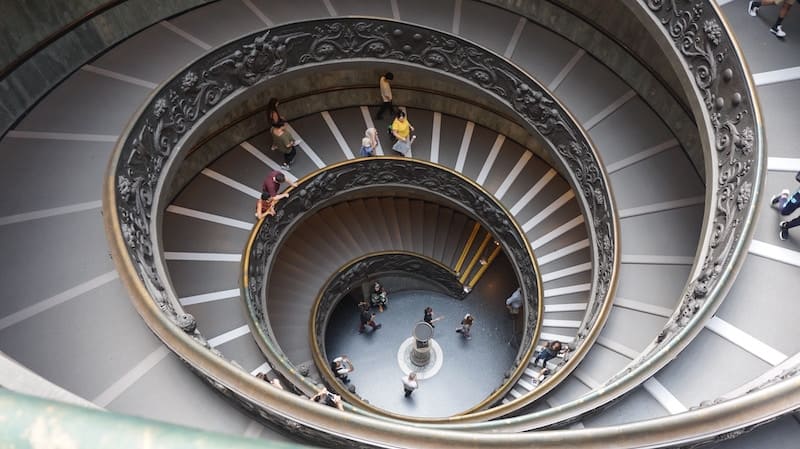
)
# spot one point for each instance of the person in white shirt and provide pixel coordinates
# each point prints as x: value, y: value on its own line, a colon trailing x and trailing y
x: 410, y: 383
x: 342, y: 366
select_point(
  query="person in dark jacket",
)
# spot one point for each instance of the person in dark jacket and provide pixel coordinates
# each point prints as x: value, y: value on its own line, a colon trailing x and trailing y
x: 367, y: 319
x: 549, y: 351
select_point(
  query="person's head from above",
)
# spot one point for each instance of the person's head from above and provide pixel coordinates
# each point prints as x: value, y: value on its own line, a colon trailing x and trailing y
x: 365, y: 142
x: 412, y: 375
x: 467, y: 317
x: 279, y: 178
x: 272, y: 104
x: 280, y: 124
x: 401, y: 116
x: 264, y: 196
x: 428, y: 309
x: 377, y: 286
x: 389, y: 76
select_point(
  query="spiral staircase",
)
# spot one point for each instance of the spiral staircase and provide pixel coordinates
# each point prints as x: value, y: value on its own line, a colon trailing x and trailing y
x: 67, y: 315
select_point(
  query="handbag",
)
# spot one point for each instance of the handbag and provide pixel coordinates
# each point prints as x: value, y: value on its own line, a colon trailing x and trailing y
x: 402, y: 147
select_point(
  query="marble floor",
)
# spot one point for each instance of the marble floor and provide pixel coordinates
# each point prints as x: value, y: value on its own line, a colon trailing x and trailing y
x: 470, y: 369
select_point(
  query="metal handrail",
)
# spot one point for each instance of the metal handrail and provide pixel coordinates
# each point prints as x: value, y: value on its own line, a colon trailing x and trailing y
x: 325, y: 186
x: 697, y: 425
x: 726, y: 99
x: 370, y: 266
x: 30, y: 422
x: 152, y: 138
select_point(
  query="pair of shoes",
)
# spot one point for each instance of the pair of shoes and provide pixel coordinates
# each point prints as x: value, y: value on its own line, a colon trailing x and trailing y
x: 413, y: 138
x: 783, y: 234
x: 752, y: 9
x: 778, y: 31
x: 459, y: 330
x: 379, y: 326
x: 286, y: 166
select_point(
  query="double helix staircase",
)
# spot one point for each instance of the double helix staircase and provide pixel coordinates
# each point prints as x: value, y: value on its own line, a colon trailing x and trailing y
x: 66, y: 315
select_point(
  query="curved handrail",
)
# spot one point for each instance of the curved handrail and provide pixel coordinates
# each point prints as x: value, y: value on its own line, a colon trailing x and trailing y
x: 590, y: 319
x: 329, y: 185
x: 152, y: 139
x: 699, y: 425
x: 360, y: 269
x: 698, y: 38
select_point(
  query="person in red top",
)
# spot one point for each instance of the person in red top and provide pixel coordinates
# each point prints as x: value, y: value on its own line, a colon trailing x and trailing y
x: 269, y: 194
x: 273, y: 183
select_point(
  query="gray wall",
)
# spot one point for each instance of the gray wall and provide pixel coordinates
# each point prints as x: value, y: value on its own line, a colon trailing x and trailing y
x: 25, y: 23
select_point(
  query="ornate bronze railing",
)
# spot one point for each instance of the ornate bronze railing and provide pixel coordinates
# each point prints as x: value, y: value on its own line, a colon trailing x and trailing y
x: 153, y: 142
x: 353, y: 274
x: 341, y: 181
x: 696, y: 37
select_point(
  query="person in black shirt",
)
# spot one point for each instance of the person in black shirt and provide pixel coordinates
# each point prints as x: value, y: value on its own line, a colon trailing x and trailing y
x: 428, y: 317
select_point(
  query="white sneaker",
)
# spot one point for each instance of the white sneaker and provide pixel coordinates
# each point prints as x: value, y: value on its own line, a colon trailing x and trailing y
x: 778, y: 31
x: 752, y: 9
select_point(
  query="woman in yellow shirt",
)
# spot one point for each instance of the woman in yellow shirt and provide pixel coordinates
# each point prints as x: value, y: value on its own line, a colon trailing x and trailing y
x: 402, y: 129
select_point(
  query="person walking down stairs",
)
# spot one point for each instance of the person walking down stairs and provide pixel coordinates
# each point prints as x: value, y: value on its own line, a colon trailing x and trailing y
x: 786, y: 5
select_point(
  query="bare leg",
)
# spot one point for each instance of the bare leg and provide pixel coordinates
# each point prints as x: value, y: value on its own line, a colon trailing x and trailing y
x: 784, y: 10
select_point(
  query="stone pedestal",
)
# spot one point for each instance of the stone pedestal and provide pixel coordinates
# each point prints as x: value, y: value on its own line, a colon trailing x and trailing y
x: 421, y: 351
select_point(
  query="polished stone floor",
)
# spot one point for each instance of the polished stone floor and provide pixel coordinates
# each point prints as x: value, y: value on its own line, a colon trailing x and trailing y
x: 471, y: 369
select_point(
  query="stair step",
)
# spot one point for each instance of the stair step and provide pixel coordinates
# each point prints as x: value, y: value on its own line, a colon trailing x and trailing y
x: 389, y: 207
x: 417, y: 224
x: 430, y: 228
x: 404, y: 219
x: 364, y: 218
x: 530, y: 372
x: 525, y: 384
x: 352, y: 225
x: 442, y: 230
x: 383, y: 238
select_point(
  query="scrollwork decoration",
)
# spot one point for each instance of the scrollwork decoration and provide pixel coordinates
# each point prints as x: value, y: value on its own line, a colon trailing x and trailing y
x: 210, y: 81
x: 342, y: 179
x: 372, y: 267
x: 699, y: 39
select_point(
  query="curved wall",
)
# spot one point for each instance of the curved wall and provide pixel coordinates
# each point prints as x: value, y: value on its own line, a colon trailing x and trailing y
x: 42, y: 71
